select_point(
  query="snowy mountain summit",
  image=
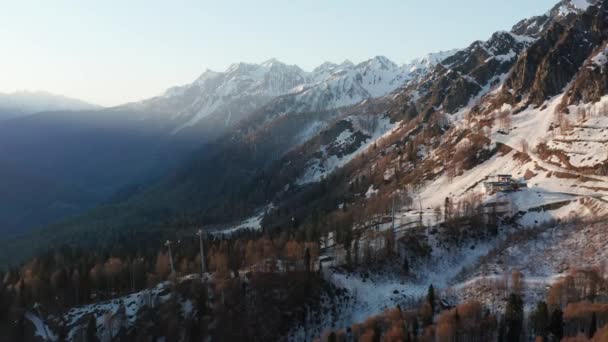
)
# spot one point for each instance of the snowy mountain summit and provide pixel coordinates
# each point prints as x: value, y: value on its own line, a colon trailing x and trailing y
x: 245, y: 87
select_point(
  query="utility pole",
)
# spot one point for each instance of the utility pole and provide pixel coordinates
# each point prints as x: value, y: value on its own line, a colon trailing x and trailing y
x: 168, y: 244
x: 132, y: 275
x: 393, y: 215
x: 200, y: 236
x: 420, y: 203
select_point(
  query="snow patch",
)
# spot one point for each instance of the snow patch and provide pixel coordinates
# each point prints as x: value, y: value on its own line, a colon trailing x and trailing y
x: 319, y: 168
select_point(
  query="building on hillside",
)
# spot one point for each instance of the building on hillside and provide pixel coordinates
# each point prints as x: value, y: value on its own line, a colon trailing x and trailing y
x: 498, y: 208
x: 503, y: 183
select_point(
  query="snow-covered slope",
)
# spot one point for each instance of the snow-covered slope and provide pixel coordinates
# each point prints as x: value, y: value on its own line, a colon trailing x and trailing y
x: 512, y: 107
x: 358, y: 134
x: 113, y: 316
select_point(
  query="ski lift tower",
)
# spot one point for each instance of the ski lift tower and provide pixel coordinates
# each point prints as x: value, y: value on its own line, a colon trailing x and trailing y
x: 168, y: 244
x: 200, y: 234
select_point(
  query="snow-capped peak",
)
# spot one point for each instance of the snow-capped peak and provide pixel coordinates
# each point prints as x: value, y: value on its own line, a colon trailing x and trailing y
x: 581, y: 4
x: 378, y: 62
x: 429, y: 60
x: 207, y: 75
x: 348, y: 84
x: 346, y: 64
x: 572, y: 6
x: 244, y: 87
x: 272, y: 62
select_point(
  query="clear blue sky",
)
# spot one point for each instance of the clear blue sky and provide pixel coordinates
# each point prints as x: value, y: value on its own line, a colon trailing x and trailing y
x: 109, y: 52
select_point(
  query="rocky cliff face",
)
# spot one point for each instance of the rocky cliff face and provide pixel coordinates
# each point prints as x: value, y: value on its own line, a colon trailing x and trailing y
x: 459, y: 79
x: 591, y: 83
x: 556, y: 60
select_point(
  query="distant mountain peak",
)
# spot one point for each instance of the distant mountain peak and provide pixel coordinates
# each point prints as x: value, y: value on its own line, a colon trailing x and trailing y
x: 206, y: 75
x: 380, y: 62
x: 430, y: 59
x: 272, y: 62
x: 346, y: 62
x: 244, y: 87
x: 23, y: 102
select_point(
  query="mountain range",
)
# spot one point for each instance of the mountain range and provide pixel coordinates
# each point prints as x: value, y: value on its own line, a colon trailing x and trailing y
x: 198, y: 146
x: 481, y: 171
x: 22, y: 103
x: 99, y: 152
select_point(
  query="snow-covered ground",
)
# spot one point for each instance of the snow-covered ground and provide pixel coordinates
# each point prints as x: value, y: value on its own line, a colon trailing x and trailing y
x: 548, y: 181
x: 476, y: 270
x: 41, y: 329
x: 110, y: 316
x: 253, y: 222
x: 542, y: 258
x: 555, y: 192
x: 132, y: 304
x: 319, y: 168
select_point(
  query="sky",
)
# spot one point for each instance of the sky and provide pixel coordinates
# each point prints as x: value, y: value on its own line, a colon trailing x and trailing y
x: 110, y: 52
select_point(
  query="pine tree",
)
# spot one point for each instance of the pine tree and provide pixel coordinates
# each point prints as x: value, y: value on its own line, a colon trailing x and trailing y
x: 91, y: 332
x: 19, y: 328
x: 430, y: 297
x: 514, y: 316
x: 356, y: 252
x: 593, y: 326
x: 415, y: 328
x: 540, y: 320
x: 556, y: 327
x: 456, y: 323
x: 307, y: 260
x: 501, y: 331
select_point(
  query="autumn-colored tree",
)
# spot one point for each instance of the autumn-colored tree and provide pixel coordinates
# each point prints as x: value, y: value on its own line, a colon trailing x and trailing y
x: 465, y: 322
x: 517, y: 282
x: 163, y: 267
x: 601, y: 335
x: 112, y: 269
x: 253, y: 254
x: 96, y: 275
x: 293, y: 250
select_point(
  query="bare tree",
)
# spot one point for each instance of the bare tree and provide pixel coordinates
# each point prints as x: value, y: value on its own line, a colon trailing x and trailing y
x: 524, y: 145
x: 504, y: 119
